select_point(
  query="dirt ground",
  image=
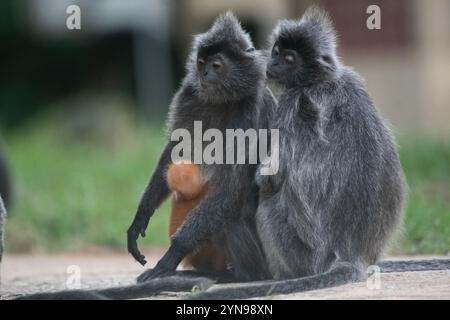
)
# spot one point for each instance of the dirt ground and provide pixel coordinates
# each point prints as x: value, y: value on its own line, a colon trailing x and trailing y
x: 23, y: 274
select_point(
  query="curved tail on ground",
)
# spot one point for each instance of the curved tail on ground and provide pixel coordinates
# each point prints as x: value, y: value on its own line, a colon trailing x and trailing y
x: 134, y: 291
x: 341, y: 274
x: 414, y: 265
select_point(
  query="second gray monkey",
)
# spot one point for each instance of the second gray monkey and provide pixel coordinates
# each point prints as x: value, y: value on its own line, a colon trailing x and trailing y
x: 338, y: 196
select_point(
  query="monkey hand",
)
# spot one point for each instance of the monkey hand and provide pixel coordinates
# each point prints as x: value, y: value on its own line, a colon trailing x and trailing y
x: 151, y: 274
x: 137, y: 228
x: 167, y: 266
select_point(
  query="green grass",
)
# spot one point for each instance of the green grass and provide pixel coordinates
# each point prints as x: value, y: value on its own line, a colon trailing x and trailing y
x: 75, y: 193
x: 426, y: 163
x: 70, y: 194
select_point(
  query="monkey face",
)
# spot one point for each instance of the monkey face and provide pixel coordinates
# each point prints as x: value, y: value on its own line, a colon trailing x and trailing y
x: 303, y: 51
x: 283, y: 64
x: 212, y: 69
x: 227, y: 71
x: 223, y: 65
x: 296, y: 62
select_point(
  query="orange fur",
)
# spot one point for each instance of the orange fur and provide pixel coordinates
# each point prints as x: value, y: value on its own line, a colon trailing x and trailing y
x: 185, y: 181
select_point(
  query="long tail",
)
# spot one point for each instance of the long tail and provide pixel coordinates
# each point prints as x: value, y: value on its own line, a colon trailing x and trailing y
x: 134, y: 291
x: 340, y: 274
x: 184, y: 281
x: 414, y: 265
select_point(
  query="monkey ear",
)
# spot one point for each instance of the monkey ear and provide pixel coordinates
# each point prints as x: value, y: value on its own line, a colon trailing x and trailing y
x: 250, y: 52
x: 327, y: 62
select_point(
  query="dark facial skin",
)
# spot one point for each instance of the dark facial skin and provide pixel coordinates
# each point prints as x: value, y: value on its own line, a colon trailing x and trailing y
x: 212, y: 68
x: 295, y: 62
x: 222, y: 69
x: 283, y: 62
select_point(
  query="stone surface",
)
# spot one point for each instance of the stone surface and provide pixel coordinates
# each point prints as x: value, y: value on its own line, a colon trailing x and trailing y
x: 24, y: 274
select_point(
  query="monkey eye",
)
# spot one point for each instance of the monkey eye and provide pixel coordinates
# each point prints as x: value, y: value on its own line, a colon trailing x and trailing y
x: 250, y: 50
x: 217, y: 64
x: 289, y: 58
x: 201, y: 61
x: 327, y: 59
x: 275, y: 51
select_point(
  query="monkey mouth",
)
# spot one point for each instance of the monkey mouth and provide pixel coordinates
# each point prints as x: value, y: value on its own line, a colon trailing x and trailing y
x: 270, y: 74
x: 204, y: 82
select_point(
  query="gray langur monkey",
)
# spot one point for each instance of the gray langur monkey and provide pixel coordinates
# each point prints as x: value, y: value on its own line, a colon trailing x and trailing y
x: 338, y: 196
x: 2, y: 228
x: 2, y: 233
x: 183, y: 282
x: 224, y: 88
x: 335, y: 201
x: 6, y: 190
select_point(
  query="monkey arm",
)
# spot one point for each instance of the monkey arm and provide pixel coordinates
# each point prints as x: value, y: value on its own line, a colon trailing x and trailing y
x: 155, y: 193
x: 221, y: 206
x: 184, y: 281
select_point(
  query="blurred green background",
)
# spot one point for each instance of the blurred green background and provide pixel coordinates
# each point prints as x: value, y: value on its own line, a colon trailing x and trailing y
x: 75, y: 194
x: 82, y: 112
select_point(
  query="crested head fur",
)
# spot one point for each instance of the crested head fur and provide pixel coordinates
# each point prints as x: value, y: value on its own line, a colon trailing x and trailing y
x: 226, y: 28
x: 314, y: 38
x: 313, y: 29
x: 227, y: 36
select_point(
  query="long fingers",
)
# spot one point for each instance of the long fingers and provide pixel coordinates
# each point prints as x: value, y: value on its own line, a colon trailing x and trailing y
x: 133, y: 235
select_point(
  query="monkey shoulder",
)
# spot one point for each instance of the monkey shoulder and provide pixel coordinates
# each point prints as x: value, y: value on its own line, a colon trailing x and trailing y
x: 352, y: 91
x: 348, y: 102
x: 185, y: 108
x: 185, y: 98
x: 265, y: 109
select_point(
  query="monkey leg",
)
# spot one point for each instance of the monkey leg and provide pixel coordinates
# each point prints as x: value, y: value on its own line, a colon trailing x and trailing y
x: 244, y: 251
x: 279, y: 247
x: 188, y: 190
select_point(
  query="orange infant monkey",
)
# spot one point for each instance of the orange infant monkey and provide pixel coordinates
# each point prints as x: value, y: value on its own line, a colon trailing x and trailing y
x: 185, y: 181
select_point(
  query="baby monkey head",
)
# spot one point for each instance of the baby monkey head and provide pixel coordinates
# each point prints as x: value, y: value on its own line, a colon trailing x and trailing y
x: 303, y: 51
x: 224, y: 66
